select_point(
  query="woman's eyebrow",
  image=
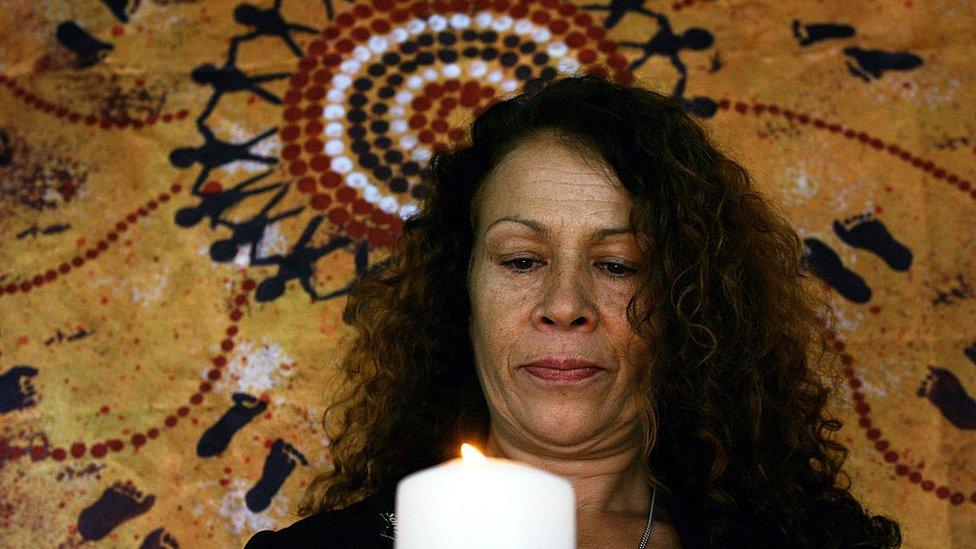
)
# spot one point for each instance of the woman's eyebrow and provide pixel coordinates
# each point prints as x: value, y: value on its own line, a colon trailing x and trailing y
x: 543, y: 230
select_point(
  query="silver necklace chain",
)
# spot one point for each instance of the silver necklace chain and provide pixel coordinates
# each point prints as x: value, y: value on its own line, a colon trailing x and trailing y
x: 650, y: 522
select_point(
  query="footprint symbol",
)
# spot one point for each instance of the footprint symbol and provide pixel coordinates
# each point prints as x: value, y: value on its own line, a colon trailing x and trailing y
x: 826, y: 265
x: 119, y: 503
x: 216, y: 439
x: 946, y: 392
x: 159, y: 539
x: 281, y: 461
x: 16, y: 390
x: 865, y: 232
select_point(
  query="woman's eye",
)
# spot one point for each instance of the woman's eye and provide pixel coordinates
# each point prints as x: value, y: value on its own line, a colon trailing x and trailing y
x: 520, y: 264
x: 618, y: 270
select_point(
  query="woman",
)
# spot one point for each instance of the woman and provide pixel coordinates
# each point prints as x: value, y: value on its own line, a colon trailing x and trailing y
x: 593, y: 289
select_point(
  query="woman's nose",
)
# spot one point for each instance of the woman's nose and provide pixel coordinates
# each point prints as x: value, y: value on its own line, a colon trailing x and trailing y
x: 565, y: 302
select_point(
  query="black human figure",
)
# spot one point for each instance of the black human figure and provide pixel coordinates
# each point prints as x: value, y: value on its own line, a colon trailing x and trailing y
x: 89, y: 49
x: 826, y: 265
x: 280, y: 462
x: 329, y: 11
x: 666, y: 43
x: 617, y: 9
x: 229, y: 78
x: 213, y: 205
x: 122, y: 9
x: 216, y: 439
x: 215, y: 153
x: 250, y: 231
x: 809, y: 33
x: 873, y: 63
x: 269, y: 22
x: 16, y: 389
x: 298, y: 264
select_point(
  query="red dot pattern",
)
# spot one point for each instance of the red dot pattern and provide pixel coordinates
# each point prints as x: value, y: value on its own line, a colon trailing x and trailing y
x: 75, y: 117
x: 874, y: 434
x: 29, y: 283
x: 303, y: 100
x: 100, y: 449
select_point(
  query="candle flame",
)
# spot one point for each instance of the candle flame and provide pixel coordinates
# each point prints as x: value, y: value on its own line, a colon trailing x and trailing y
x: 471, y: 454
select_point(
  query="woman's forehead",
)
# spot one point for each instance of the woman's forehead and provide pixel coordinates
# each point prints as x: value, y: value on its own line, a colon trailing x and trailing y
x: 552, y: 183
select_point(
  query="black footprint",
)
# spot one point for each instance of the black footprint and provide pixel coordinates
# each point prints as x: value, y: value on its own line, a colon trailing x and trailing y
x: 118, y: 503
x: 826, y: 265
x: 866, y: 232
x: 944, y: 390
x: 872, y: 64
x: 216, y: 438
x: 281, y: 461
x: 809, y: 33
x: 16, y: 390
x: 89, y: 49
x: 122, y: 9
x: 159, y: 539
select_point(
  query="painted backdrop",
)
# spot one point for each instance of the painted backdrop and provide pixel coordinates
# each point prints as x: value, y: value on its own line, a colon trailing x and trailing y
x: 188, y: 188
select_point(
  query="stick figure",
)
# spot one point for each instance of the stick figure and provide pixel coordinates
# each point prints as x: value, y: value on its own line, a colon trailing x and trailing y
x: 215, y: 153
x: 213, y: 205
x: 666, y: 43
x: 617, y: 9
x: 250, y: 231
x: 229, y: 78
x: 269, y: 22
x: 299, y: 263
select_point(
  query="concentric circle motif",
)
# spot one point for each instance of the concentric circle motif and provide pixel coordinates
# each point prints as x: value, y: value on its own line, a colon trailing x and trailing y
x: 387, y: 86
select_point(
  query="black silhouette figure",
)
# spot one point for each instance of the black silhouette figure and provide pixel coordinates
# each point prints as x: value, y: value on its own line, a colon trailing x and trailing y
x: 281, y: 461
x: 6, y: 150
x: 119, y: 503
x: 866, y: 232
x: 943, y: 389
x: 229, y: 78
x: 299, y: 263
x: 213, y: 205
x: 666, y: 43
x: 826, y: 265
x: 868, y: 64
x: 88, y: 49
x: 809, y: 33
x: 122, y: 9
x: 16, y: 389
x: 215, y: 153
x: 617, y: 9
x: 250, y: 231
x: 269, y: 22
x: 159, y: 539
x: 216, y: 439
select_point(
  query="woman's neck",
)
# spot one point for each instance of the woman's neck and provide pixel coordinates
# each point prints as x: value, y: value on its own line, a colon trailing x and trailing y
x: 613, y: 483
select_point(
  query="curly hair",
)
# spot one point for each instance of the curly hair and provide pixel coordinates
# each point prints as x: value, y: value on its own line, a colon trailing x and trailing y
x: 736, y: 414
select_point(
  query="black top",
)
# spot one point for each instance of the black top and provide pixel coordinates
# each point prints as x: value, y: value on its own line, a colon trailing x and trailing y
x: 369, y: 524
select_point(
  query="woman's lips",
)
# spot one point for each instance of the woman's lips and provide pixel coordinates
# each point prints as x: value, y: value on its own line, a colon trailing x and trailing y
x: 553, y: 374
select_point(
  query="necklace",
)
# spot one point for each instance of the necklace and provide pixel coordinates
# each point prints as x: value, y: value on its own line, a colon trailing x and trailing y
x: 650, y: 522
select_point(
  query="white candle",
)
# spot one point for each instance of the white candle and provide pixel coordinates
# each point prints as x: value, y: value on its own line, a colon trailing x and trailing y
x: 476, y: 502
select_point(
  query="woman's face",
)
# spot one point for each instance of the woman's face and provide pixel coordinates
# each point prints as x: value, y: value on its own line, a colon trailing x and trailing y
x: 552, y: 270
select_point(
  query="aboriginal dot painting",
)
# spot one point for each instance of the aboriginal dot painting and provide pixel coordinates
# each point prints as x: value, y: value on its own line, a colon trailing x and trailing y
x: 189, y: 188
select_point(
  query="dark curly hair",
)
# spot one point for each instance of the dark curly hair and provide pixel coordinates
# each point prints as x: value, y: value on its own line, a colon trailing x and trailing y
x: 735, y: 418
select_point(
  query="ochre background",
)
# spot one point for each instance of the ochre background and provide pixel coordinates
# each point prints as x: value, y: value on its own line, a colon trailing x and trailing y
x: 137, y: 339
